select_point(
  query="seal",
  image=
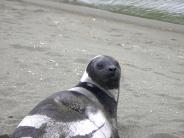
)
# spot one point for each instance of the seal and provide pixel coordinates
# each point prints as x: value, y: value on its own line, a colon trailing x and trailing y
x: 88, y: 110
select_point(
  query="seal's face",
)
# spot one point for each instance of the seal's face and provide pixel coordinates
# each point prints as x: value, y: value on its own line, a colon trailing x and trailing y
x: 105, y: 71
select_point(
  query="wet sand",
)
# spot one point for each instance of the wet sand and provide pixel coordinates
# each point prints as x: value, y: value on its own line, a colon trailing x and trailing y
x: 45, y: 49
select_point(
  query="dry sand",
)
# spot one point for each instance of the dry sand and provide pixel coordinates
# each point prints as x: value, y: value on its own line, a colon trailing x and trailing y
x: 45, y: 47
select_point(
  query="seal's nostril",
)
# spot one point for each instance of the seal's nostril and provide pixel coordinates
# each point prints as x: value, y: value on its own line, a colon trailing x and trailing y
x: 112, y: 68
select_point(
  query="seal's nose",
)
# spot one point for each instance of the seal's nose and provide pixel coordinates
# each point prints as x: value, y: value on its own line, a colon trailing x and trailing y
x: 112, y: 68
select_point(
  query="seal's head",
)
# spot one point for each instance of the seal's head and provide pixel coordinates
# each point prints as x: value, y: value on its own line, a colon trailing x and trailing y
x: 104, y: 71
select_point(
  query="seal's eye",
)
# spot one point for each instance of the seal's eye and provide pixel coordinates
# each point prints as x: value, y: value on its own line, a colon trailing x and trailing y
x: 100, y: 65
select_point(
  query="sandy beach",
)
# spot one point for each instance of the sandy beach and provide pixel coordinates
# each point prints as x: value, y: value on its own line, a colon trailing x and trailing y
x: 46, y: 45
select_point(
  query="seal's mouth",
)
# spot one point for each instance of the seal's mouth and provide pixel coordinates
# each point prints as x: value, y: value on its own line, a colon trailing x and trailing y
x: 113, y: 76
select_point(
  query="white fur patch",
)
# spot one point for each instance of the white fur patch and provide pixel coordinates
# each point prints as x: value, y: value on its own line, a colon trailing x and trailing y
x: 85, y: 77
x: 96, y: 125
x: 100, y: 121
x: 98, y: 118
x: 35, y: 121
x: 114, y: 93
x: 97, y: 56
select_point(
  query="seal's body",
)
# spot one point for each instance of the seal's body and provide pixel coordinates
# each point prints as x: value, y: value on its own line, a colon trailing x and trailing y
x: 88, y: 110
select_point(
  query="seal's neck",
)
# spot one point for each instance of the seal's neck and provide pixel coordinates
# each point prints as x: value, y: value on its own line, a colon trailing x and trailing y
x: 106, y: 97
x: 109, y: 104
x: 113, y: 93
